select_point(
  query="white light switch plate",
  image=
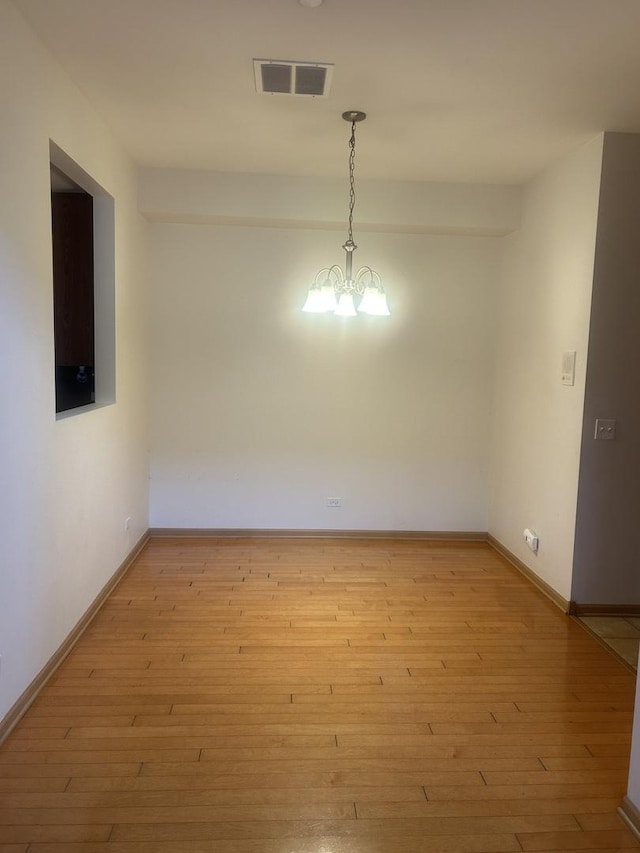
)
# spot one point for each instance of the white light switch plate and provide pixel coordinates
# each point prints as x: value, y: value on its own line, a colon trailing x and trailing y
x: 568, y: 368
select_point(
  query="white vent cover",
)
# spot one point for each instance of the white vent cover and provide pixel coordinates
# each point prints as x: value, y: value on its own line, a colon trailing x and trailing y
x: 286, y: 77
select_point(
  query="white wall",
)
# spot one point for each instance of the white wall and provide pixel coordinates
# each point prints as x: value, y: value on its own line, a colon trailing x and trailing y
x: 544, y: 304
x: 67, y: 485
x: 260, y: 412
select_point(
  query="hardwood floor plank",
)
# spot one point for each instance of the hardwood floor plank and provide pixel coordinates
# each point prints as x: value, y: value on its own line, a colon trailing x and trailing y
x: 314, y: 779
x: 115, y: 694
x: 92, y: 756
x: 12, y: 786
x: 53, y: 769
x: 74, y: 719
x: 309, y: 844
x: 398, y: 828
x: 598, y: 808
x: 600, y: 821
x: 57, y: 832
x: 179, y: 813
x: 589, y: 763
x: 606, y: 839
x: 604, y: 790
x: 51, y: 711
x: 82, y: 795
x: 561, y: 777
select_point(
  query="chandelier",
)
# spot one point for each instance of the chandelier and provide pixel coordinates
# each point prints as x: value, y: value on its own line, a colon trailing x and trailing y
x: 334, y: 290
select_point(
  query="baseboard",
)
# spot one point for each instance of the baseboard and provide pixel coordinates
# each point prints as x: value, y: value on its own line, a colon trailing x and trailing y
x: 577, y: 609
x: 631, y: 816
x: 531, y: 576
x: 22, y: 704
x: 254, y: 533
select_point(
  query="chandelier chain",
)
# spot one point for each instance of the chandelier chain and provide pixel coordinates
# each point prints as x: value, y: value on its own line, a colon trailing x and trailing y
x: 352, y: 186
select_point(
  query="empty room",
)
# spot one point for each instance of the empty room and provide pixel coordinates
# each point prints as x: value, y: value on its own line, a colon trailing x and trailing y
x: 320, y: 427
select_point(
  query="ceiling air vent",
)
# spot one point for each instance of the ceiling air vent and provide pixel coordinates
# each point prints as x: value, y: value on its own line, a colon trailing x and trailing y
x: 283, y: 77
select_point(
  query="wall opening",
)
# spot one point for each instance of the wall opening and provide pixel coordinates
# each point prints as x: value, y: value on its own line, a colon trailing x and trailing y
x: 83, y: 251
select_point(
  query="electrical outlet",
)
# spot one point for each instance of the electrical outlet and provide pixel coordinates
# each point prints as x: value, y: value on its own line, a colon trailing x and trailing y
x: 605, y: 429
x: 335, y: 502
x: 127, y: 523
x: 531, y: 538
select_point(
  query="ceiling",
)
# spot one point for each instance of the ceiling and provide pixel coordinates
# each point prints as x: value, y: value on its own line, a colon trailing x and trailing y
x: 456, y: 90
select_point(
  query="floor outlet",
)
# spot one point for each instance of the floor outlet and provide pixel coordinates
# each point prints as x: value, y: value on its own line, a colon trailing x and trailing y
x: 336, y: 502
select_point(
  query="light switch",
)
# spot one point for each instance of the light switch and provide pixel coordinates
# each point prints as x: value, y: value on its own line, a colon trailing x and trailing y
x: 568, y: 375
x: 605, y: 430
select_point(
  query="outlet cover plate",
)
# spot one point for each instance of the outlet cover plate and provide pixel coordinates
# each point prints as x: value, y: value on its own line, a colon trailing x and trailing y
x: 605, y: 429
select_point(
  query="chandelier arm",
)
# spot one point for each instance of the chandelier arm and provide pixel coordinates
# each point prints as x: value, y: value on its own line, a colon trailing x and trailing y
x: 337, y: 271
x: 326, y: 273
x: 368, y: 271
x: 374, y: 278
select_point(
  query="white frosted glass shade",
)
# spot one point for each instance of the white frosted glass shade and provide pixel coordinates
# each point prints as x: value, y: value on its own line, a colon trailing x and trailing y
x: 368, y: 300
x: 315, y: 302
x: 346, y: 308
x: 374, y: 302
x: 328, y: 296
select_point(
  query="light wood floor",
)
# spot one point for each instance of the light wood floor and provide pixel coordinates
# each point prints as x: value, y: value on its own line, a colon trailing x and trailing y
x: 323, y: 696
